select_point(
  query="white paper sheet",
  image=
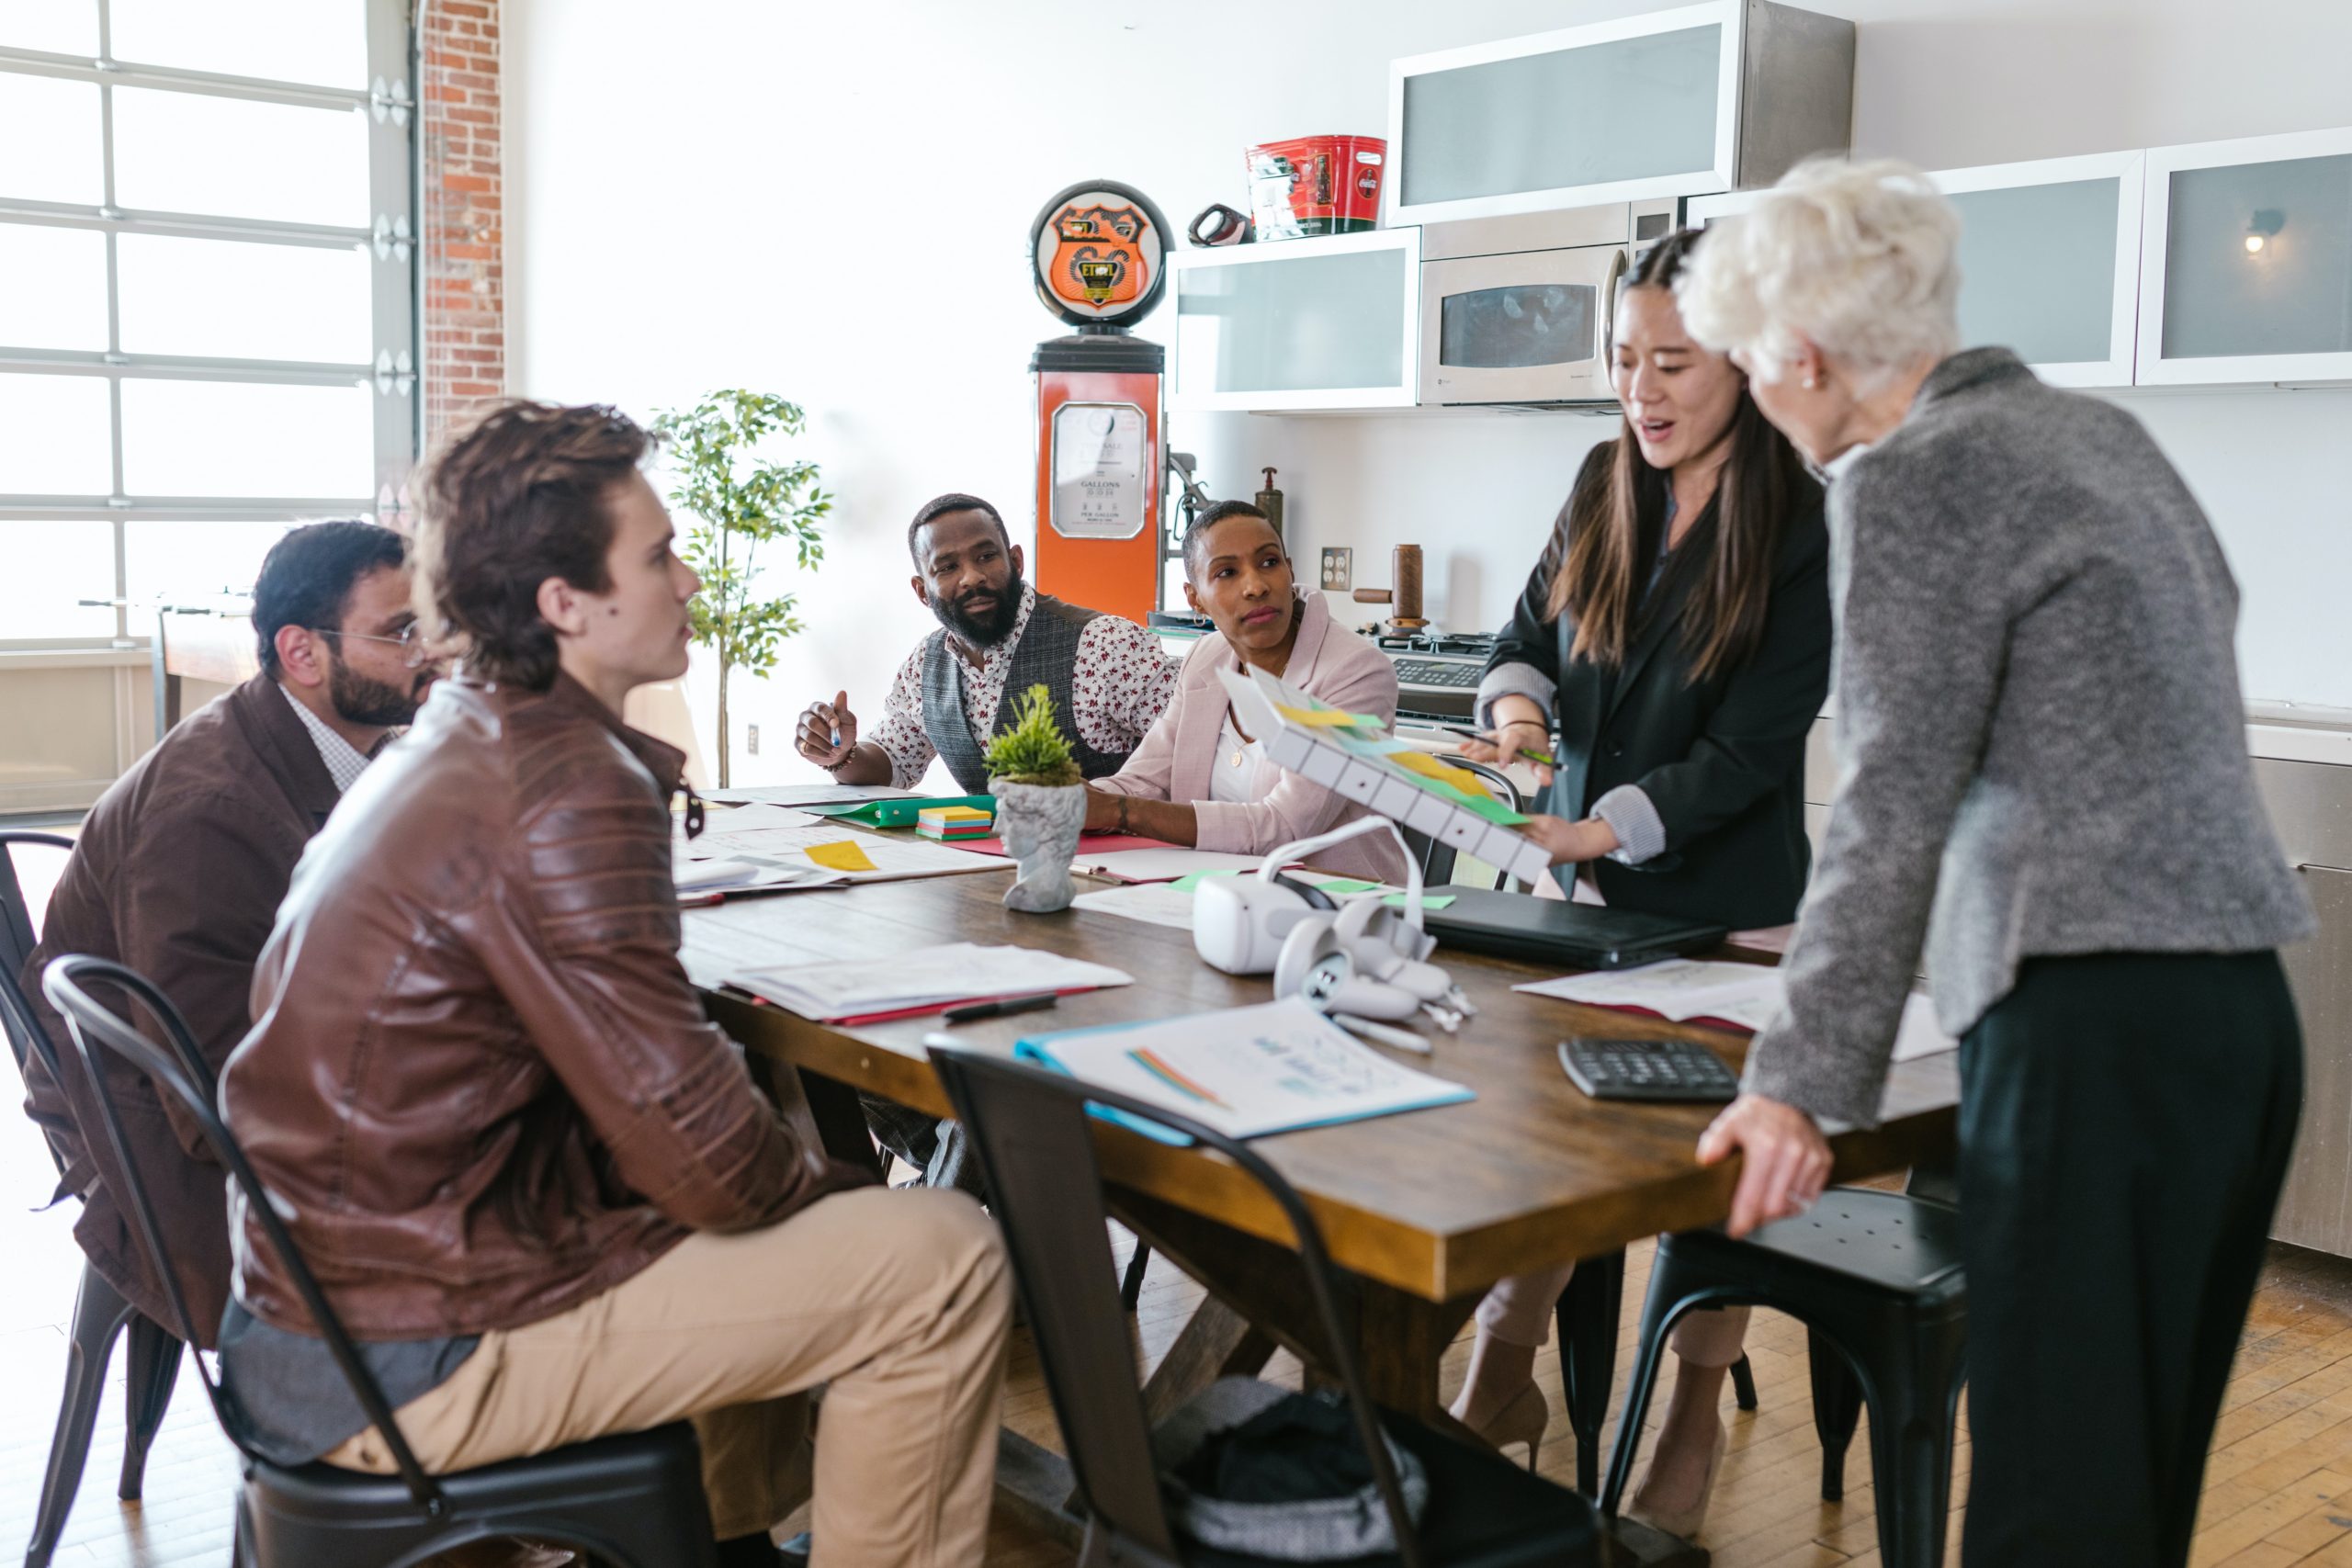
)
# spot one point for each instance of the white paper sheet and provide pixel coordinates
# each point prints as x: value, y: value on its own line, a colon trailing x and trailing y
x: 1246, y: 1071
x: 1747, y: 995
x: 894, y: 858
x: 953, y: 972
x: 804, y: 794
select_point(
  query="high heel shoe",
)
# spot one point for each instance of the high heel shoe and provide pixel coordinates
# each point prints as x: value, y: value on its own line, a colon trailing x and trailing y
x: 1680, y: 1523
x: 1521, y: 1420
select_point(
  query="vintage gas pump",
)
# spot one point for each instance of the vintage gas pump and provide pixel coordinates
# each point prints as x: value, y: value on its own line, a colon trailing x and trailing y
x: 1097, y: 250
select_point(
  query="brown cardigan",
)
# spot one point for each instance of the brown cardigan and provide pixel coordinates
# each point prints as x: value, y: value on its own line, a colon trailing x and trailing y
x: 177, y: 873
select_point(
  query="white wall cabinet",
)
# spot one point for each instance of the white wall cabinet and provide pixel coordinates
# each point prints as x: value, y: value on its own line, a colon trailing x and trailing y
x: 1330, y: 322
x: 2049, y: 263
x: 1698, y: 98
x: 2049, y: 260
x: 2246, y: 275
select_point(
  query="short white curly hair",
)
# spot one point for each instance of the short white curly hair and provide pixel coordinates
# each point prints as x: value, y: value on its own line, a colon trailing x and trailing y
x: 1859, y: 258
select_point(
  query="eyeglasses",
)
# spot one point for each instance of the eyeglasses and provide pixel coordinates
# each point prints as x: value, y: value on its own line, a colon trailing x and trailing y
x: 415, y: 652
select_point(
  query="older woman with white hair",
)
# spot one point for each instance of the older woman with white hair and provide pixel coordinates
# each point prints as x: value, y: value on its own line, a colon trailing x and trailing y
x: 2044, y: 775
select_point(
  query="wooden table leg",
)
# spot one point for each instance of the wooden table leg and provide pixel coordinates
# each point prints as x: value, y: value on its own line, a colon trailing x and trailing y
x: 840, y: 1123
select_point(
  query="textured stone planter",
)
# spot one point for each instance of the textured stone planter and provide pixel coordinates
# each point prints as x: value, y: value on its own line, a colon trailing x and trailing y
x: 1039, y: 824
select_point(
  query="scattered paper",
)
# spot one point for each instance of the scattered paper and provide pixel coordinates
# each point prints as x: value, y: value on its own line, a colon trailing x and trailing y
x: 1153, y: 903
x: 843, y: 854
x: 1743, y: 997
x: 803, y: 794
x: 921, y: 980
x: 1275, y: 1067
x: 744, y: 818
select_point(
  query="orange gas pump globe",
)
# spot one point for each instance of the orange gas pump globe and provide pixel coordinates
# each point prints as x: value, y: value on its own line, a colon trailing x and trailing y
x: 1097, y: 255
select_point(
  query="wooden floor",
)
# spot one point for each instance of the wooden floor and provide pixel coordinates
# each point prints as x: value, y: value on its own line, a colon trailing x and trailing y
x: 2278, y: 1489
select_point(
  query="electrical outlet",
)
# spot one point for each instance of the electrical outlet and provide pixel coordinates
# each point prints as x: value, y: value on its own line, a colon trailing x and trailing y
x: 1339, y: 570
x: 752, y: 739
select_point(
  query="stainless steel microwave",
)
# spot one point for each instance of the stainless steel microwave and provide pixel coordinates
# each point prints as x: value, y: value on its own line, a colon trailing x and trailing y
x: 1518, y: 310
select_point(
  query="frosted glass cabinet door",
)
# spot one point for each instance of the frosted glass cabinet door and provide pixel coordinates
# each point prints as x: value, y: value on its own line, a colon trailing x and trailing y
x: 2246, y: 269
x: 2049, y: 263
x: 1529, y: 123
x: 1320, y: 324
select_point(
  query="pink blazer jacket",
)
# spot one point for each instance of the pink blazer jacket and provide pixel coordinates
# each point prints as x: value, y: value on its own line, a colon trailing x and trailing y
x: 1180, y: 752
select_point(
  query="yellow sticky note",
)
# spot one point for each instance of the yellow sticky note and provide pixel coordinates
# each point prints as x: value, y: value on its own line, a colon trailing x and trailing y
x: 1328, y: 718
x: 843, y: 856
x: 1429, y: 767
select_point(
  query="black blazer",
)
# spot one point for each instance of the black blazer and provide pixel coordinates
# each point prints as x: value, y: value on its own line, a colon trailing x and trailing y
x: 1722, y: 760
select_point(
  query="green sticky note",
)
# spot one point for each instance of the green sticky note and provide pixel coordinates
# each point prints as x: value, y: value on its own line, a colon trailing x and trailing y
x: 1192, y: 879
x: 1429, y: 900
x: 1493, y: 810
x: 1346, y: 884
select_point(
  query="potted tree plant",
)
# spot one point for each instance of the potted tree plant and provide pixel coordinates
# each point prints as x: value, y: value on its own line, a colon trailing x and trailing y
x: 741, y: 499
x: 1040, y: 804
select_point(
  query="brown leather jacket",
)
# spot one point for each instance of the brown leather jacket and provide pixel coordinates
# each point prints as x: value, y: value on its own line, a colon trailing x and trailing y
x: 480, y: 1085
x: 177, y: 873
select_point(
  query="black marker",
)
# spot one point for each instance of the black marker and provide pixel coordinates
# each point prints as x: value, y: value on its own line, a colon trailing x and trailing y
x: 974, y: 1010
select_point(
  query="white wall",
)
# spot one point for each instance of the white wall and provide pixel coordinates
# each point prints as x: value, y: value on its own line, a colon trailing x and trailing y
x: 830, y: 200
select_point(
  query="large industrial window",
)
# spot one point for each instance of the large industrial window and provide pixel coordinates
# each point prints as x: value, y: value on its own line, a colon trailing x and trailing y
x: 207, y: 296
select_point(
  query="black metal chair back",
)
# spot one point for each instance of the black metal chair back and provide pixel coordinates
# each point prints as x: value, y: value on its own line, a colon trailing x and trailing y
x: 27, y: 1038
x: 180, y: 1074
x: 1031, y: 1129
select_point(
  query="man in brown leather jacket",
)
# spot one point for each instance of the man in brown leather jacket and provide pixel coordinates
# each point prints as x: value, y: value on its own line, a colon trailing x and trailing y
x: 179, y: 867
x: 531, y: 1175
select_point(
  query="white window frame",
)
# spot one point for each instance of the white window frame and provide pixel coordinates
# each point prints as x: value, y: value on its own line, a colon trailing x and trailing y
x: 2212, y: 370
x: 391, y: 239
x: 1731, y: 15
x: 1283, y: 252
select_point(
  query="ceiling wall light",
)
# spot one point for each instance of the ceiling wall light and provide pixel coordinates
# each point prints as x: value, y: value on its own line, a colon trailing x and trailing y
x: 2261, y: 228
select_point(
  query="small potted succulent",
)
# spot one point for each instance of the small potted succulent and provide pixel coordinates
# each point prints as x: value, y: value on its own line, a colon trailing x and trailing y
x: 1040, y: 804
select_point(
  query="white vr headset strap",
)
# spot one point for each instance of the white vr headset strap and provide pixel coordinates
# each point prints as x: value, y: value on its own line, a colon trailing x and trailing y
x: 1301, y: 848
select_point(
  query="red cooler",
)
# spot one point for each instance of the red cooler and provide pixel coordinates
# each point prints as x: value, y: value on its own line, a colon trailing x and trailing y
x: 1316, y: 185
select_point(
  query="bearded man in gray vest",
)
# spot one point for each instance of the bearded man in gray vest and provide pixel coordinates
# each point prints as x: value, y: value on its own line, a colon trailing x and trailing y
x: 997, y: 636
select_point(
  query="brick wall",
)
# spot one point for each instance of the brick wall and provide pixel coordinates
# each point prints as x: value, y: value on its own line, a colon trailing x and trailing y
x: 464, y: 220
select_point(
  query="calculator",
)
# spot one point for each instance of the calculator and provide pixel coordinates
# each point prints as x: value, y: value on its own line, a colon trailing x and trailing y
x: 1647, y: 1070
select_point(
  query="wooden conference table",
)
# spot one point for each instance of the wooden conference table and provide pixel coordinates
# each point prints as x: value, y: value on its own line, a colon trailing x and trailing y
x: 1426, y: 1210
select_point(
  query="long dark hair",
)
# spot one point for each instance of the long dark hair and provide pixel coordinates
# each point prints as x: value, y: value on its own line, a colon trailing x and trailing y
x: 1619, y: 500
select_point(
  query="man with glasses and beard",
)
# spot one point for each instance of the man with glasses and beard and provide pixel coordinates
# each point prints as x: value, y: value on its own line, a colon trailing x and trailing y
x: 179, y: 868
x: 999, y: 636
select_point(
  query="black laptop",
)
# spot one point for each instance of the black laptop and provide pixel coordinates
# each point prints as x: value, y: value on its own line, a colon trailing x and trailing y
x: 1563, y: 935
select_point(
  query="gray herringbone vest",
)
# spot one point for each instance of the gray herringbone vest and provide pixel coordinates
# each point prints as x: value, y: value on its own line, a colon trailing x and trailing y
x: 1048, y: 645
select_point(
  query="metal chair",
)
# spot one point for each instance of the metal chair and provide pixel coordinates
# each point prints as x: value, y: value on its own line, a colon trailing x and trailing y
x: 1587, y: 1316
x: 1876, y: 1280
x: 1034, y: 1139
x: 1438, y: 860
x: 100, y: 1313
x: 634, y: 1501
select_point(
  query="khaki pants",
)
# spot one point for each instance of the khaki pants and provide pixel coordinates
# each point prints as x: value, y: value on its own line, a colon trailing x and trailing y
x: 1518, y: 1311
x: 897, y: 1300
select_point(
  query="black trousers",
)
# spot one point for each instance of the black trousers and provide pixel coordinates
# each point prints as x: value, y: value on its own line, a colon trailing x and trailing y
x: 2125, y: 1123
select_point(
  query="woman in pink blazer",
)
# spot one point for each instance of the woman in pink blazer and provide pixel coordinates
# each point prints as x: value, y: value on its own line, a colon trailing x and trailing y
x: 1197, y: 778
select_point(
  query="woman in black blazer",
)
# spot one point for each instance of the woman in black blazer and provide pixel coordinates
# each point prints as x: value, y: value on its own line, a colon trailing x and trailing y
x: 1675, y: 638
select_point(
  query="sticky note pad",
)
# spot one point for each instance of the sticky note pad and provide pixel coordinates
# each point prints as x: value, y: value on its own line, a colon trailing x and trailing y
x: 1430, y: 767
x: 1494, y: 810
x: 1429, y: 900
x: 843, y: 856
x: 1347, y: 885
x: 1328, y: 718
x: 1192, y: 879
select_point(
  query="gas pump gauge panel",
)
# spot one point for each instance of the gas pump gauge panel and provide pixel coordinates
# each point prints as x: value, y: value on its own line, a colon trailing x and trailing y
x: 1097, y: 252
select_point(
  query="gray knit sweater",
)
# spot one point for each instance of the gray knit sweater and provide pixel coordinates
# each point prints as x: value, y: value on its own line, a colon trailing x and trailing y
x: 2042, y: 742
